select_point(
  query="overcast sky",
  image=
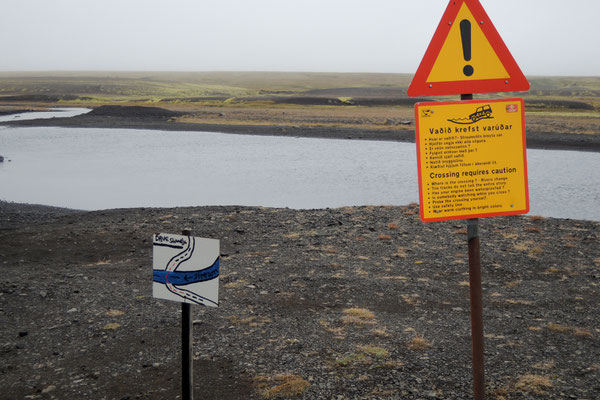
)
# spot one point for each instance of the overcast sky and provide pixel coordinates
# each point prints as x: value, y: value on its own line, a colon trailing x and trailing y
x: 546, y: 37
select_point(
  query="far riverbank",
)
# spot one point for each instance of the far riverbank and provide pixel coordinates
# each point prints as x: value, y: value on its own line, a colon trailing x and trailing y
x: 134, y: 117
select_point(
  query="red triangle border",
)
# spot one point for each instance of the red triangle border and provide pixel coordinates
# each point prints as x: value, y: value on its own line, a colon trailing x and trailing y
x: 419, y: 85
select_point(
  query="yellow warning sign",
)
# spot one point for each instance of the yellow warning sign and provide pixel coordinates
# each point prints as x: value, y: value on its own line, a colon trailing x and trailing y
x: 471, y: 159
x: 466, y: 53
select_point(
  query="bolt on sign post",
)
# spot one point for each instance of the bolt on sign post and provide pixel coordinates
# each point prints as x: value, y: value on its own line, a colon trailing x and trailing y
x: 186, y: 269
x: 471, y: 156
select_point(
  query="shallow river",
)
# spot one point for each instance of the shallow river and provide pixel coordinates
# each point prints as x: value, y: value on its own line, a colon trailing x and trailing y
x: 56, y: 112
x: 113, y: 168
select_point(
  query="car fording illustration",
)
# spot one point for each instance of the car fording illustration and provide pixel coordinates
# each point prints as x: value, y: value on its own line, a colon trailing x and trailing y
x: 481, y: 113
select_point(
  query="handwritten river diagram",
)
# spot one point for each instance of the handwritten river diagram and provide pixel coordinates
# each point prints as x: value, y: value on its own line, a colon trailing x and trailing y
x: 186, y: 269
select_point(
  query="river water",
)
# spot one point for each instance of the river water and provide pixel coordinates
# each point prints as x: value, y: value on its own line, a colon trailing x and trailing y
x: 56, y: 112
x: 115, y: 168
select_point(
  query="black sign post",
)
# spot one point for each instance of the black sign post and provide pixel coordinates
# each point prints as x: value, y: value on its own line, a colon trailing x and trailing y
x: 187, y: 344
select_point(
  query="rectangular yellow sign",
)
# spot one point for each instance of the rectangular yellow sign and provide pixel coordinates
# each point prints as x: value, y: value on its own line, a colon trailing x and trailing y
x: 471, y: 159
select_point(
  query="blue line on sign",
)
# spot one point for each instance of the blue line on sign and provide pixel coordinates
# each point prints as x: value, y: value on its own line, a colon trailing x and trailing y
x: 186, y: 277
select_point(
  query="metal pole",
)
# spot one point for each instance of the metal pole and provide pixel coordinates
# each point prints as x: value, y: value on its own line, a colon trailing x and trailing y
x: 187, y: 328
x: 476, y: 301
x: 476, y: 309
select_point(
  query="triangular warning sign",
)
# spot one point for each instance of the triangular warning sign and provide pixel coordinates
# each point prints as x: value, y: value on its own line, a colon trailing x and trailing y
x: 466, y: 55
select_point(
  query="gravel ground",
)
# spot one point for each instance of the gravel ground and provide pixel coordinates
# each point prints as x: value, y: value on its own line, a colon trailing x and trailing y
x: 349, y: 303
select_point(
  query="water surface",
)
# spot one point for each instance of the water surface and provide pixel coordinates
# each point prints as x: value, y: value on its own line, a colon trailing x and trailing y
x: 66, y: 112
x: 114, y: 168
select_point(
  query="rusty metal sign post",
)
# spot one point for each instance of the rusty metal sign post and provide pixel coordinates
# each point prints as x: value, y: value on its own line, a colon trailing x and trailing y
x: 476, y: 309
x: 476, y: 294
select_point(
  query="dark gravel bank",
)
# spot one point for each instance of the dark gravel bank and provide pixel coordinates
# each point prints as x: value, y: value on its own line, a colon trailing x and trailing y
x: 349, y: 303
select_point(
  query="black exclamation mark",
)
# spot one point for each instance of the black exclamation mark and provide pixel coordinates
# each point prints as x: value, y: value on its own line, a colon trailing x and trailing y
x: 465, y: 35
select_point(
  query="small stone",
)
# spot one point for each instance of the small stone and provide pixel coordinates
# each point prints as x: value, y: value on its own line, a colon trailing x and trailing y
x: 72, y: 310
x: 43, y: 293
x: 112, y: 326
x: 48, y: 389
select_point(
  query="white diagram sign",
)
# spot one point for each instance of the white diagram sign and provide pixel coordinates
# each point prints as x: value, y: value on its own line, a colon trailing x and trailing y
x: 185, y: 269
